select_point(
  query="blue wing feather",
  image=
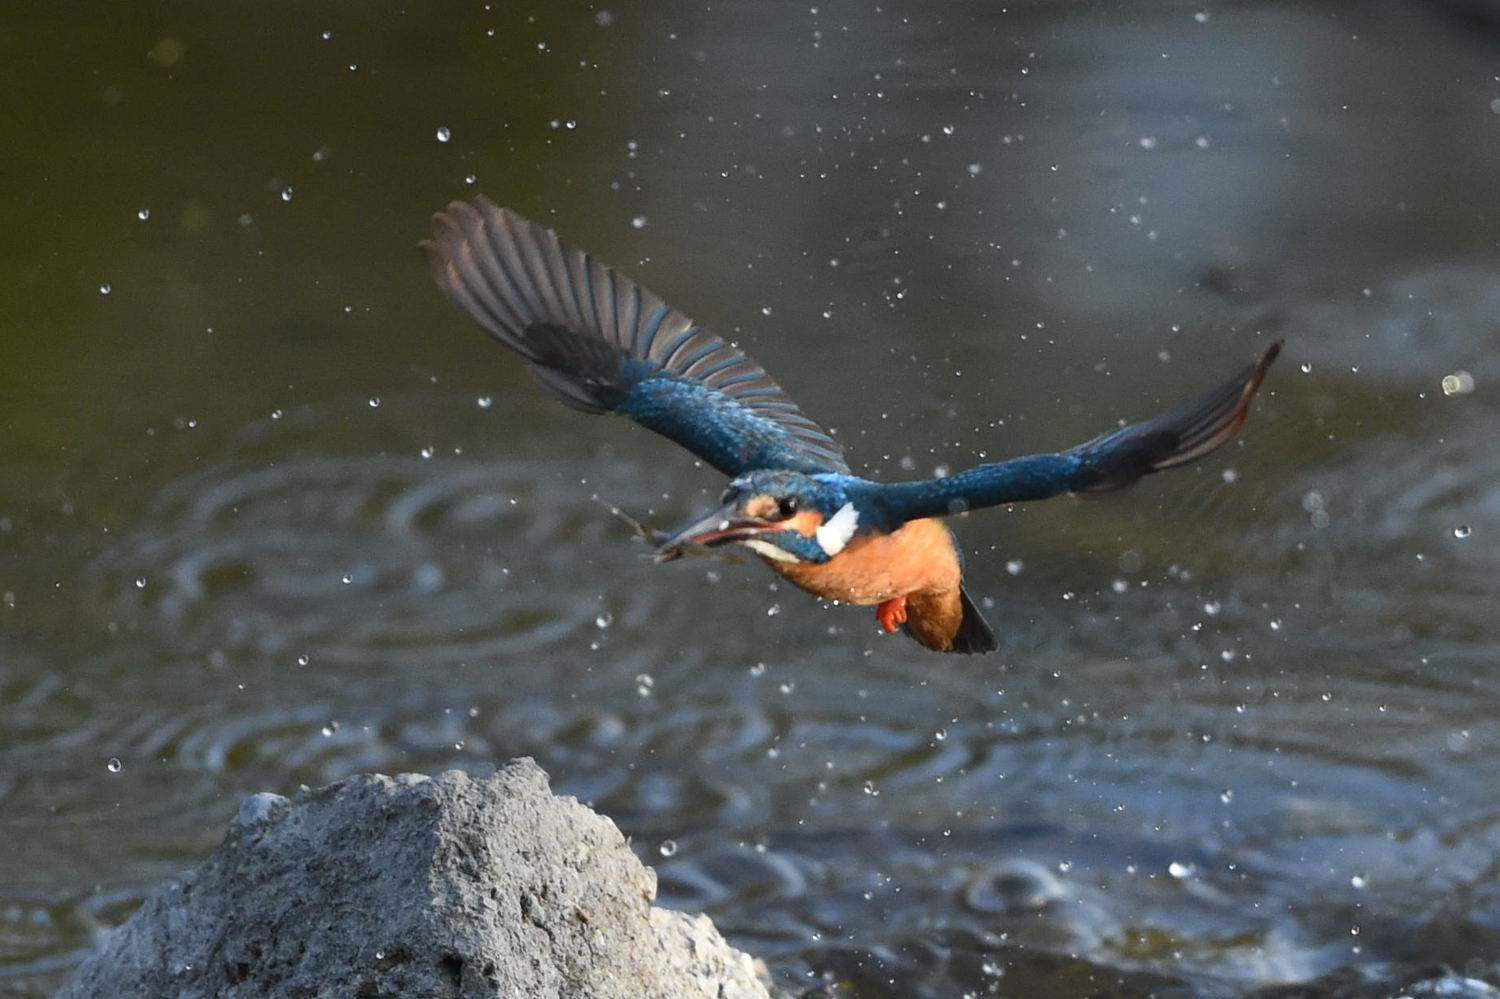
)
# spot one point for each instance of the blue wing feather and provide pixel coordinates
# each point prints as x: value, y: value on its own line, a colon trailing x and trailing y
x: 1111, y: 461
x: 599, y: 342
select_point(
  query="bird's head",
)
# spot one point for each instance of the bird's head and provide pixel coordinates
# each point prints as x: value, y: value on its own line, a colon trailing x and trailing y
x: 783, y: 515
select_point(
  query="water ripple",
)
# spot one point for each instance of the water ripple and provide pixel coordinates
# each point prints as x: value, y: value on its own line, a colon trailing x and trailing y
x: 359, y: 559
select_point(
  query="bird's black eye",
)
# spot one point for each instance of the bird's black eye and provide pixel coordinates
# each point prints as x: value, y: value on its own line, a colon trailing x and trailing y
x: 786, y: 506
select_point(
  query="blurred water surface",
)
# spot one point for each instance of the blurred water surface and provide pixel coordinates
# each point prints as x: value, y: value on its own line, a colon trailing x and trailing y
x: 274, y: 514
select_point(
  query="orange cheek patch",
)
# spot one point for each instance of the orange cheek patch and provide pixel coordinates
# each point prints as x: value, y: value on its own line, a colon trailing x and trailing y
x: 805, y: 523
x: 760, y: 506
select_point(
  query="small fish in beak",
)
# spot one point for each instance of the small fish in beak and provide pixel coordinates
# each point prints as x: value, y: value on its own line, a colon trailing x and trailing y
x: 725, y: 525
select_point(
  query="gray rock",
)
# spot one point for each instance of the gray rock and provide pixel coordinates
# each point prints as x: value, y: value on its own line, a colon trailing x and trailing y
x: 385, y: 888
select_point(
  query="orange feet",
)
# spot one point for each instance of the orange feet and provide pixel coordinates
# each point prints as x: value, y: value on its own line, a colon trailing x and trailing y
x: 891, y: 613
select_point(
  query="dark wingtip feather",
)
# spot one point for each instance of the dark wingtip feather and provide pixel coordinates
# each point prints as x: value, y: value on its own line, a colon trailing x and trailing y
x: 1213, y: 420
x: 1177, y: 437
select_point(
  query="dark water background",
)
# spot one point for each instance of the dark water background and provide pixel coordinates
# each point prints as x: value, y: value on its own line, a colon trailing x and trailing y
x: 272, y: 513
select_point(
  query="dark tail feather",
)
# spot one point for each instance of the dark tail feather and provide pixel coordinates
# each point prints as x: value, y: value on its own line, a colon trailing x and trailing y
x: 1185, y: 434
x: 974, y: 633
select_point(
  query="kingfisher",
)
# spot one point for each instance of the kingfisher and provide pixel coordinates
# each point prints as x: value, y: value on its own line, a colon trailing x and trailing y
x: 600, y: 343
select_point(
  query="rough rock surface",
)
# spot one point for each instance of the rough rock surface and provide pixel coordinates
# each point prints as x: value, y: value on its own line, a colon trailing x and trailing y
x: 386, y: 888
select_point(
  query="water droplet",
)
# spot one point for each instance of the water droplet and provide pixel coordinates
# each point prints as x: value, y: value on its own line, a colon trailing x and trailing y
x: 140, y: 583
x: 668, y: 847
x: 443, y: 133
x: 1462, y: 531
x: 1119, y: 586
x: 1306, y: 368
x: 639, y: 222
x: 1014, y: 566
x: 644, y: 682
x: 871, y: 790
x: 286, y: 194
x: 275, y: 414
x: 604, y: 620
x: 143, y: 214
x: 975, y: 169
x: 947, y: 129
x: 346, y: 578
x: 1180, y: 870
x: 330, y: 728
x: 773, y: 610
x: 485, y: 402
x: 303, y: 659
x: 1212, y: 608
x: 114, y: 765
x: 571, y: 124
x: 1226, y: 795
x: 374, y: 402
x: 1065, y: 865
x: 1359, y: 881
x: 105, y: 289
x: 1458, y: 383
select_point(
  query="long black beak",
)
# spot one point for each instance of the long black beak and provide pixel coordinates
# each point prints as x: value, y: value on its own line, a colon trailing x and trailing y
x: 720, y: 527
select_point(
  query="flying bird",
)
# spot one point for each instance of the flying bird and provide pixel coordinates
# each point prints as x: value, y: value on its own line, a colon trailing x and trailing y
x: 600, y: 343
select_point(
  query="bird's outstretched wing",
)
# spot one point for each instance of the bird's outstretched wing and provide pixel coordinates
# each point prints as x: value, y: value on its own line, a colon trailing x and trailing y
x: 599, y: 342
x: 1110, y: 461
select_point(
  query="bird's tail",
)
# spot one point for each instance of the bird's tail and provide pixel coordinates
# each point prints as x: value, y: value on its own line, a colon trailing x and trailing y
x: 974, y: 633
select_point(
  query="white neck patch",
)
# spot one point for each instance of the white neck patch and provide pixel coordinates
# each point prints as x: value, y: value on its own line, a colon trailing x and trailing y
x: 769, y: 550
x: 834, y: 535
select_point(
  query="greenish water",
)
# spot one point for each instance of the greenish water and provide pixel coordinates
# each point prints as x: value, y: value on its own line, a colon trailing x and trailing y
x: 273, y: 513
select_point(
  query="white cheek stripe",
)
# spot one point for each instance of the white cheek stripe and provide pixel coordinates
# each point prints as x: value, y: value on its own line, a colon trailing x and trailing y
x: 769, y: 550
x: 834, y: 535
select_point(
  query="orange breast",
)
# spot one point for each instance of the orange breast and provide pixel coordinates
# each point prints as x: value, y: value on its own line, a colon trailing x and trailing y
x: 920, y: 557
